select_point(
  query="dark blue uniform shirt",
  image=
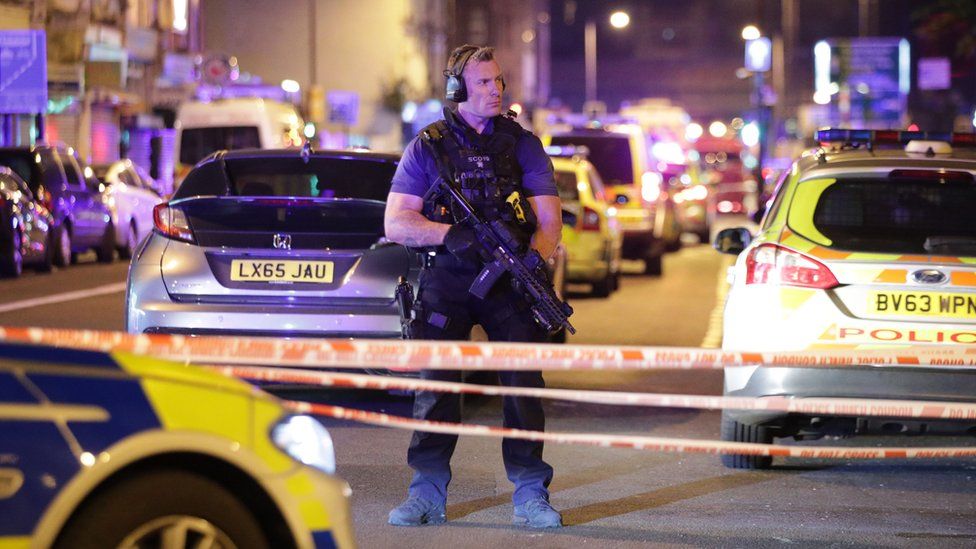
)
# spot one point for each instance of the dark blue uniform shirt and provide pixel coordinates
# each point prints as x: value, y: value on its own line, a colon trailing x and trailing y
x: 417, y: 170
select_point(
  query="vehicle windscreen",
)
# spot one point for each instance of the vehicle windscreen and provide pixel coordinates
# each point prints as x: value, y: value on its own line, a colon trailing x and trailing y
x: 609, y: 153
x: 320, y: 177
x: 566, y: 186
x: 895, y: 215
x: 22, y: 163
x: 197, y: 143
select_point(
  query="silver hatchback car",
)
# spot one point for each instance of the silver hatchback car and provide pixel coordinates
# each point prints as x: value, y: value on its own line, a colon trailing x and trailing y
x: 272, y: 242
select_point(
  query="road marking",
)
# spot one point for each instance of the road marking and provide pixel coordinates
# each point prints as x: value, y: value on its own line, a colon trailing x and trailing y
x: 713, y: 337
x: 61, y: 298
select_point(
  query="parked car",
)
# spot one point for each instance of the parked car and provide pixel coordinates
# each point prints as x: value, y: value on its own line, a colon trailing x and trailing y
x: 273, y: 242
x: 67, y: 188
x: 131, y: 196
x: 594, y: 242
x: 25, y: 227
x: 863, y: 246
x: 118, y: 450
x: 682, y: 181
x: 644, y: 209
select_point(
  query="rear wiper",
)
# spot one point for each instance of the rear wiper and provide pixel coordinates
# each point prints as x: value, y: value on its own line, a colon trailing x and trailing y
x: 950, y: 244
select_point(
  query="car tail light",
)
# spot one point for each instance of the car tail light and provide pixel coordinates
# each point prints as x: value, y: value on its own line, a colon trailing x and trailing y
x: 772, y: 264
x: 44, y: 198
x: 171, y: 221
x: 729, y: 206
x: 590, y: 220
x: 941, y: 175
x: 651, y: 186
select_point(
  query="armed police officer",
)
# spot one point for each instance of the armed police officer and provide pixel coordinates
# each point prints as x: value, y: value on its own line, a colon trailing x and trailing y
x: 504, y: 172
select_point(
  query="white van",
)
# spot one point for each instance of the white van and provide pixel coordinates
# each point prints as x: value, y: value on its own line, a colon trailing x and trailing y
x: 236, y: 123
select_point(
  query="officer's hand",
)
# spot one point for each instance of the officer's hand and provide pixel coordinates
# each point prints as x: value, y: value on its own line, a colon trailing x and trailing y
x: 462, y: 242
x: 516, y: 240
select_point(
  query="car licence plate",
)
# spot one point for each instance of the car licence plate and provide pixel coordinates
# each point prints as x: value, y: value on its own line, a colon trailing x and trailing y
x: 284, y: 271
x: 953, y: 305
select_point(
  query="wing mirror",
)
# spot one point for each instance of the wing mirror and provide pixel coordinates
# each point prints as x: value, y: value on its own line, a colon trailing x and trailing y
x: 732, y: 241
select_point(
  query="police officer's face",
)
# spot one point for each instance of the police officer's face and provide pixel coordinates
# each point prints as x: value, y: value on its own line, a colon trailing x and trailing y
x: 484, y: 82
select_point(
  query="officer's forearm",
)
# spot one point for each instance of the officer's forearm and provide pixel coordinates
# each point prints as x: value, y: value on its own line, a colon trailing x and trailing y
x: 413, y: 229
x: 544, y: 243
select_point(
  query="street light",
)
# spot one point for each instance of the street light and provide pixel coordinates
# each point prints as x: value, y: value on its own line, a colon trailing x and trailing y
x: 750, y: 32
x: 619, y: 20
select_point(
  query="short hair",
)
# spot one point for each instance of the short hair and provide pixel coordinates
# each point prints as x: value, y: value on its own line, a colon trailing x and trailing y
x: 464, y: 53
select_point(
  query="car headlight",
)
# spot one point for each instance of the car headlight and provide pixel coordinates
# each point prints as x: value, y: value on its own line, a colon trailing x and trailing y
x: 306, y: 440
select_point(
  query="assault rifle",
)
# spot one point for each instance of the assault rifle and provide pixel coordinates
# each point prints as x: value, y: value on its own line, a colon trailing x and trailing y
x: 528, y: 270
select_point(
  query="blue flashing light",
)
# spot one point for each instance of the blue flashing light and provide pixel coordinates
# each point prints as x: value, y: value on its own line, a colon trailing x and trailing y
x: 891, y: 137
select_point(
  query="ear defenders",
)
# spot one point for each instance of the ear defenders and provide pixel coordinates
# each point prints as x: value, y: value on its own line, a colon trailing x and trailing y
x: 456, y: 90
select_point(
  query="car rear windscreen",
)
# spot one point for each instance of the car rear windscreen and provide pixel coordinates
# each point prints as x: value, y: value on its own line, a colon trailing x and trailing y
x: 609, y: 153
x: 290, y: 176
x: 895, y: 215
x: 197, y: 143
x: 566, y: 186
x: 21, y: 162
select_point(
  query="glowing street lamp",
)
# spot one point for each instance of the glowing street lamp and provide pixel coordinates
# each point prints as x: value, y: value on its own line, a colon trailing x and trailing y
x: 619, y: 20
x: 750, y: 32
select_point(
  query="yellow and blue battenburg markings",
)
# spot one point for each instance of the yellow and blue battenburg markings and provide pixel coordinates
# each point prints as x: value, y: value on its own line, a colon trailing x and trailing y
x: 41, y: 452
x: 37, y: 385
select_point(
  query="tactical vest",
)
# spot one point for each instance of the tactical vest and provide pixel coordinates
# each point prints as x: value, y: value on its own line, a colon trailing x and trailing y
x: 486, y: 169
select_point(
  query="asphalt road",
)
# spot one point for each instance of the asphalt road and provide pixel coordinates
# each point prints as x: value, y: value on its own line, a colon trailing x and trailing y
x: 609, y: 497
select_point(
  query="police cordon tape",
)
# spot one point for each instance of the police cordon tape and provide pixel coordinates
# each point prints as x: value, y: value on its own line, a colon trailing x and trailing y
x: 451, y: 355
x: 637, y: 442
x: 826, y: 406
x: 417, y: 355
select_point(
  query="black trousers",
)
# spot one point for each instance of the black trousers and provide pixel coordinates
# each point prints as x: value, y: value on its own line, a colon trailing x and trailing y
x: 504, y: 317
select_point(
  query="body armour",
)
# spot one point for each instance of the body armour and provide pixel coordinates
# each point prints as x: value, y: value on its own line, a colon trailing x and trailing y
x: 486, y: 170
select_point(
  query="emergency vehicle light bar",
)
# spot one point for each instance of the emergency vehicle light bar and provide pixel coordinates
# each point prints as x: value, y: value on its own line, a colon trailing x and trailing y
x: 894, y: 137
x: 567, y: 150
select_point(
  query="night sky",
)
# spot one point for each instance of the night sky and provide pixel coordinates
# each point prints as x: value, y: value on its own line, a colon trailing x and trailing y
x: 689, y: 50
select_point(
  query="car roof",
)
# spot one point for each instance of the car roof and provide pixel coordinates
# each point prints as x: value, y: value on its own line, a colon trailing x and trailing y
x: 567, y: 162
x: 825, y: 162
x: 292, y: 153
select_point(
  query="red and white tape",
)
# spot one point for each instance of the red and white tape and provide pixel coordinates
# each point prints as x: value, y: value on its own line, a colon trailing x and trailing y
x: 826, y: 406
x: 631, y: 441
x: 449, y: 355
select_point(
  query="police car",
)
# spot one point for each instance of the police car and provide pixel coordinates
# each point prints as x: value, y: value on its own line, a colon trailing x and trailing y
x: 868, y: 241
x: 100, y: 450
x: 592, y: 235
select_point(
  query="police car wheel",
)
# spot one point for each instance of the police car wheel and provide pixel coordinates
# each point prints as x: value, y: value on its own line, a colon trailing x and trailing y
x: 604, y: 286
x: 733, y: 431
x: 654, y: 265
x: 150, y: 509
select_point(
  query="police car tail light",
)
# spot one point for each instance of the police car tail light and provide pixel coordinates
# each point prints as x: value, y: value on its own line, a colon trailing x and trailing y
x: 590, y: 221
x: 772, y: 264
x: 172, y: 222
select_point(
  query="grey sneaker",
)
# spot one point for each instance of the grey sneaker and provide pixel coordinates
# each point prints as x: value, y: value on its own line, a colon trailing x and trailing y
x: 417, y: 512
x: 537, y: 513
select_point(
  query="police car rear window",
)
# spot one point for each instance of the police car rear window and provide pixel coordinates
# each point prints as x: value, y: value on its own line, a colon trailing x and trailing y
x: 609, y: 153
x: 566, y: 185
x: 905, y: 216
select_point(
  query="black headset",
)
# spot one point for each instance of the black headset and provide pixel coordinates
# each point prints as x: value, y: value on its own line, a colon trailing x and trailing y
x: 456, y: 89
